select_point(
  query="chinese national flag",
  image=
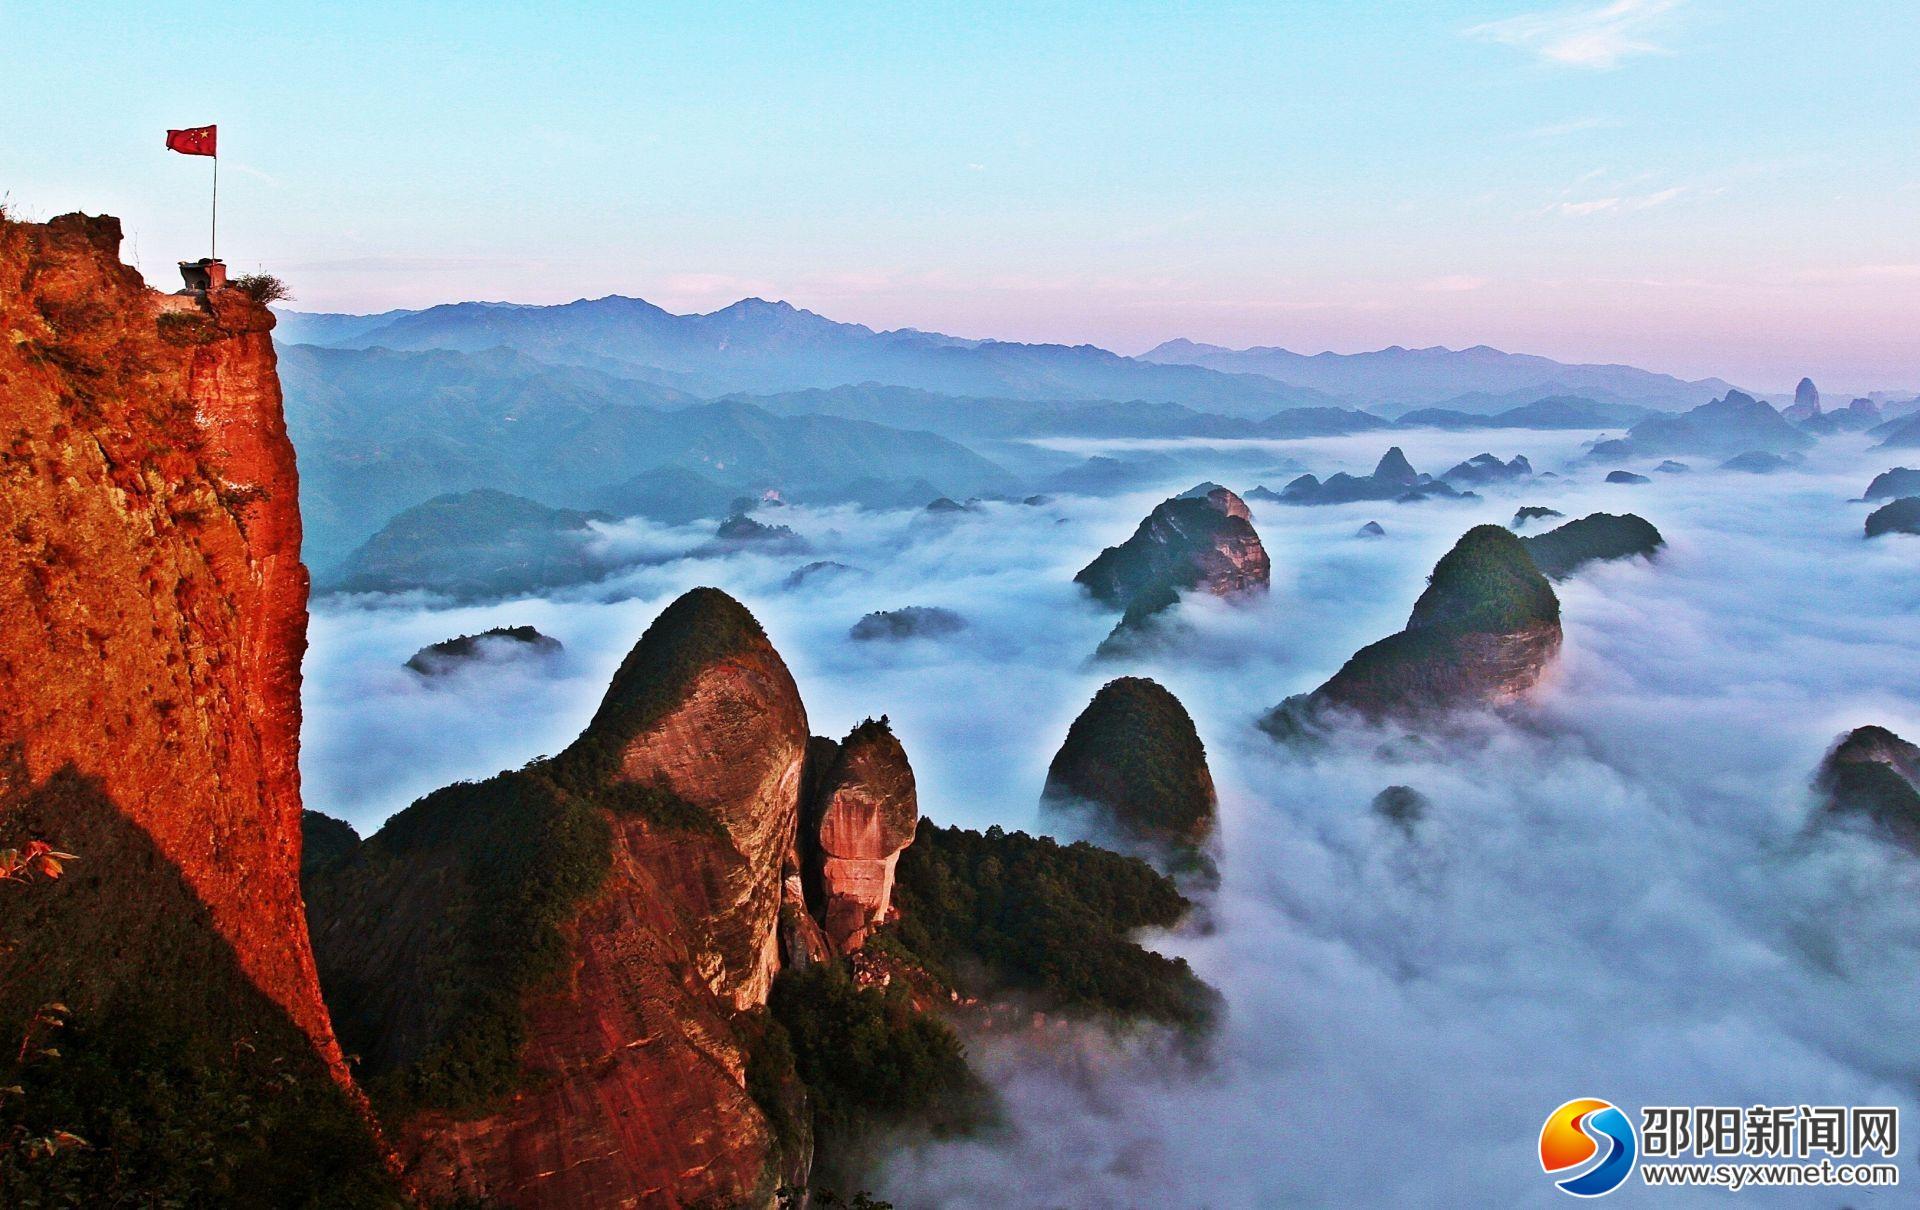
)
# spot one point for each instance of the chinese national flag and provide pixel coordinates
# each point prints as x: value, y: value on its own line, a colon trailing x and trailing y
x: 197, y: 140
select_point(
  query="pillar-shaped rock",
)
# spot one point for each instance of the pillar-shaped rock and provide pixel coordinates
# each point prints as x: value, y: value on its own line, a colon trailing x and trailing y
x: 861, y: 815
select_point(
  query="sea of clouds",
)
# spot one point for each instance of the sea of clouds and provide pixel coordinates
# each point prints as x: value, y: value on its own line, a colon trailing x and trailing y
x: 1614, y: 893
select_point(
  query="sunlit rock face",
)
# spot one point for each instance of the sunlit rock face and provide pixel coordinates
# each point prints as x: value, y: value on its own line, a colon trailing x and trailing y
x: 154, y: 599
x: 1482, y: 634
x: 859, y: 817
x: 658, y: 854
x: 155, y: 613
x: 1201, y: 542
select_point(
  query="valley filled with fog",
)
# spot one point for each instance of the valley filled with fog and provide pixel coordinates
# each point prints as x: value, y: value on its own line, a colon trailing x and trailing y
x: 1613, y: 892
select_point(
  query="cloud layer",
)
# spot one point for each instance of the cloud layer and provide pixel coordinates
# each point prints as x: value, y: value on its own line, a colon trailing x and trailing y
x: 1613, y: 895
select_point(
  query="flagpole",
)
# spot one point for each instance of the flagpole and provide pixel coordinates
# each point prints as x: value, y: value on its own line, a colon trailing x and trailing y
x: 213, y: 229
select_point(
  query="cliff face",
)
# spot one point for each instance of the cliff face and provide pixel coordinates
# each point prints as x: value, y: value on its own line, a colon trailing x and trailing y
x: 1134, y: 756
x: 859, y: 817
x: 1481, y: 634
x: 1204, y: 543
x: 556, y: 976
x: 155, y: 611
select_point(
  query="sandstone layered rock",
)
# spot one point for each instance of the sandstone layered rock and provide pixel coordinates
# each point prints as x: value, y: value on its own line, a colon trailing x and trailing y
x: 556, y: 976
x: 155, y: 619
x: 1134, y: 759
x: 1187, y: 544
x: 1481, y: 634
x: 1873, y: 774
x: 1204, y: 544
x: 859, y: 815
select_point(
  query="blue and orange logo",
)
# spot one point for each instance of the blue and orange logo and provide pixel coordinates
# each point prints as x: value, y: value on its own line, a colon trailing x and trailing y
x: 1577, y: 1132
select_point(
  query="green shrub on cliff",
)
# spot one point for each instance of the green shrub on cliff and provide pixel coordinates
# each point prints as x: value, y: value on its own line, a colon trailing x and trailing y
x: 521, y: 855
x: 1135, y: 752
x: 995, y: 909
x: 869, y: 1058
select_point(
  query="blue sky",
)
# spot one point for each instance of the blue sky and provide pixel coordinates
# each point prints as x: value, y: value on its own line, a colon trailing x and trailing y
x: 1700, y: 186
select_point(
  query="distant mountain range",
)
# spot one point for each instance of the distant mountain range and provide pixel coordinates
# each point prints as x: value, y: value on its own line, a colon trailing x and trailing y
x: 1480, y: 379
x: 772, y: 347
x: 379, y: 431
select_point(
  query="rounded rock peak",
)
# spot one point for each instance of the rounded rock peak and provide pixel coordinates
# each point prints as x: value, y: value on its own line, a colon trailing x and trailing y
x: 1135, y: 750
x: 868, y: 804
x: 701, y: 628
x: 1487, y: 582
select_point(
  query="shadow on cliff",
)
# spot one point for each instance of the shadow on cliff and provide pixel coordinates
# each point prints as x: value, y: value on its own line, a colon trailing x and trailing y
x: 136, y: 1030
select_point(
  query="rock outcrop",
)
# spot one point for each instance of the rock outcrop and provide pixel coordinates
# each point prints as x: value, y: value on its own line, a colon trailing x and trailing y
x: 1134, y: 760
x: 1893, y: 484
x: 909, y: 622
x: 474, y: 545
x: 1900, y: 517
x: 1186, y: 544
x: 1203, y: 544
x: 1485, y: 468
x: 1393, y: 479
x: 861, y: 811
x: 1874, y: 775
x: 1806, y: 402
x: 1559, y: 553
x: 499, y: 643
x: 1481, y: 635
x: 155, y: 619
x: 1759, y: 462
x: 553, y: 976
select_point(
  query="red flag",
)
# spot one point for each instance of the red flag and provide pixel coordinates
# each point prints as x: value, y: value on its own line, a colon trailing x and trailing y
x: 197, y: 140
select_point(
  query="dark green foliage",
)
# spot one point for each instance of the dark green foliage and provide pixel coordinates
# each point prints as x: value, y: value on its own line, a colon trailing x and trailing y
x: 870, y: 1059
x: 1486, y: 583
x: 126, y: 1022
x: 324, y: 841
x: 1874, y: 773
x: 773, y: 1081
x: 1005, y: 910
x: 263, y: 287
x: 440, y: 657
x: 1160, y: 556
x: 659, y: 806
x: 1878, y: 792
x: 1900, y: 517
x: 1134, y: 751
x: 1534, y: 512
x: 526, y: 853
x: 170, y: 1120
x: 1599, y: 536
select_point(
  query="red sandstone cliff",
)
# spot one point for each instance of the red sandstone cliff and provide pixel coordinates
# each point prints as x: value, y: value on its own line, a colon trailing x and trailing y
x: 151, y: 583
x: 674, y: 819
